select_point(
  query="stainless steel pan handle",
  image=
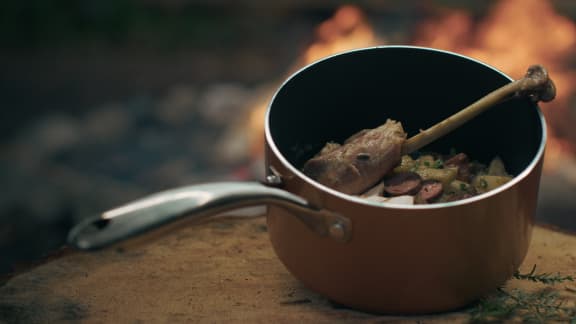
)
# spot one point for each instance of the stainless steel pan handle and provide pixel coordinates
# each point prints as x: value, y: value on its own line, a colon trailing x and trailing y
x: 200, y: 201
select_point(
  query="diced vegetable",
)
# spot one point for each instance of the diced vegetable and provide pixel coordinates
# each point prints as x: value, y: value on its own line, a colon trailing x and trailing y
x: 445, y: 175
x: 459, y: 186
x: 460, y: 177
x: 425, y: 161
x: 484, y: 183
x: 497, y: 168
x: 407, y: 164
x: 402, y: 200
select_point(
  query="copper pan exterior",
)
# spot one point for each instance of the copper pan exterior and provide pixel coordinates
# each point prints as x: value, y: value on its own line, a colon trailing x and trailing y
x: 404, y: 259
x: 375, y: 257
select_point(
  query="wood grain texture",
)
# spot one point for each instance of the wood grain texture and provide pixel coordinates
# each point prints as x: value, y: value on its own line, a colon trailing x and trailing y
x: 220, y: 271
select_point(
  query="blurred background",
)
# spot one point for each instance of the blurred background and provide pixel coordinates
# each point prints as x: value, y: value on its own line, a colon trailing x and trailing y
x: 104, y: 101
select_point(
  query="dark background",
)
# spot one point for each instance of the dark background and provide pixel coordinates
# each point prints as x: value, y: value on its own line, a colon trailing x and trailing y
x: 103, y: 101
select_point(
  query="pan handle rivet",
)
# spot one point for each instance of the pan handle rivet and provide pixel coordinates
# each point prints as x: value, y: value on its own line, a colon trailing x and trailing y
x: 337, y: 231
x: 273, y: 178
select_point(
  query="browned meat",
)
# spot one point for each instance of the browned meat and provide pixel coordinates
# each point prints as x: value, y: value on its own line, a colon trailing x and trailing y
x: 361, y: 161
x: 431, y: 190
x: 329, y: 147
x: 461, y: 161
x: 404, y: 183
x: 457, y: 160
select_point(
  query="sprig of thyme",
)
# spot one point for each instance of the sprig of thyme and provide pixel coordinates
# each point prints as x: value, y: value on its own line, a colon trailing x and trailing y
x: 493, y: 308
x: 545, y: 278
x: 540, y: 306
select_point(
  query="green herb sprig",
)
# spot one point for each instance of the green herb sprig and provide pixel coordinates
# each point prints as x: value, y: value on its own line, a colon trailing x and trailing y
x: 438, y: 164
x: 545, y: 278
x: 540, y: 306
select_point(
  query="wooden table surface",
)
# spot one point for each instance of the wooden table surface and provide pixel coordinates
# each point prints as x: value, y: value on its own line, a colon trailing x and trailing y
x: 223, y: 270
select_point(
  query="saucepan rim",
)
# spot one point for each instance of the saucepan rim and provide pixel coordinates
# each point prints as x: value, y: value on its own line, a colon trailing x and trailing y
x: 272, y: 144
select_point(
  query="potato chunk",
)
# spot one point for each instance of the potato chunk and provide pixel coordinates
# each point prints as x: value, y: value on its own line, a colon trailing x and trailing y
x: 460, y: 186
x: 445, y: 175
x: 497, y: 168
x: 407, y: 164
x: 484, y: 183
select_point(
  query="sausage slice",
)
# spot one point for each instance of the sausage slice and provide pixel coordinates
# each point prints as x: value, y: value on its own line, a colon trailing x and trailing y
x: 461, y: 161
x: 430, y: 191
x: 403, y: 183
x: 457, y: 160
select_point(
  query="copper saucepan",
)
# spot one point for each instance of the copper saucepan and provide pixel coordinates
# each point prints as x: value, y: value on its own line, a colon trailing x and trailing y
x: 371, y: 256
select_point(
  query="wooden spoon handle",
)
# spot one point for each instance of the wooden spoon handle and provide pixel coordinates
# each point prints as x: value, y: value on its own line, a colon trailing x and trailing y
x: 535, y: 84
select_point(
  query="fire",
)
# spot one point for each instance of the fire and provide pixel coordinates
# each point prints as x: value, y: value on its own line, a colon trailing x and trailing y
x: 515, y: 34
x: 346, y: 30
x: 512, y: 36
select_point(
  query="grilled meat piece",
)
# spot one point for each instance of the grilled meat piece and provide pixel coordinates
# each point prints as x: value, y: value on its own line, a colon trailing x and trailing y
x: 361, y: 161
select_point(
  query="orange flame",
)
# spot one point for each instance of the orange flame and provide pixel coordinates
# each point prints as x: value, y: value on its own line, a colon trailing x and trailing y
x: 514, y: 35
x: 347, y: 29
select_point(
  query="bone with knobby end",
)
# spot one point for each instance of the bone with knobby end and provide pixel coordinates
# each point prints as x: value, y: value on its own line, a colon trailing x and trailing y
x: 535, y: 84
x: 348, y: 168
